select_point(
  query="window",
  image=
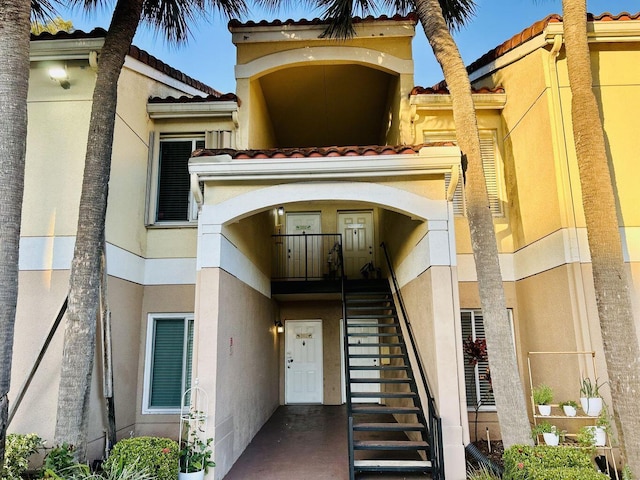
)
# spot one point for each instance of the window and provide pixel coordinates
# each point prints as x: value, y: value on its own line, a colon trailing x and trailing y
x: 488, y: 150
x: 175, y: 203
x: 477, y: 385
x: 168, y: 362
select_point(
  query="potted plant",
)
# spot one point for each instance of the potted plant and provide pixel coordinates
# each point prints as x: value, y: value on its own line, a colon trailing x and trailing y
x: 590, y: 399
x: 549, y: 433
x: 542, y: 397
x: 570, y: 408
x: 195, y: 457
x: 195, y: 451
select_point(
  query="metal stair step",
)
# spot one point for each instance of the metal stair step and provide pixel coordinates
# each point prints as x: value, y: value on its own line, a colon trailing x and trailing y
x: 377, y: 325
x: 376, y: 355
x: 383, y: 395
x: 360, y: 409
x: 380, y: 380
x: 389, y: 445
x: 369, y: 344
x: 388, y: 427
x: 370, y: 315
x: 392, y: 465
x: 374, y: 334
x: 381, y: 368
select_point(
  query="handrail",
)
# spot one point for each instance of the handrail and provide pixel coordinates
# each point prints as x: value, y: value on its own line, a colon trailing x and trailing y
x: 305, y: 256
x: 435, y: 422
x: 346, y: 360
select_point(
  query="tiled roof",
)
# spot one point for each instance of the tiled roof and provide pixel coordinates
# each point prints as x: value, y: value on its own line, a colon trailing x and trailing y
x: 318, y: 21
x: 314, y: 152
x: 227, y: 97
x: 136, y: 53
x: 536, y: 29
x: 441, y: 89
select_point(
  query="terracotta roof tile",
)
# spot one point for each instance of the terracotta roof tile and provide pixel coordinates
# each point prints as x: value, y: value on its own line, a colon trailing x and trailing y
x: 441, y: 89
x: 136, y: 53
x: 227, y: 97
x: 318, y: 21
x: 536, y: 29
x: 314, y: 152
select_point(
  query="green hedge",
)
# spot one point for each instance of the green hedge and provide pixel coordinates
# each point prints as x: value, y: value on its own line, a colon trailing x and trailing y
x: 542, y: 462
x: 157, y: 456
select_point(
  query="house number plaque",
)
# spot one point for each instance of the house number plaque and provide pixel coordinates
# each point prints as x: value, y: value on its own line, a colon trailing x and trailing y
x: 301, y: 336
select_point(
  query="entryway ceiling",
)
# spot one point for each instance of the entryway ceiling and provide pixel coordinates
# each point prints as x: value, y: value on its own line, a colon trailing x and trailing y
x: 327, y: 105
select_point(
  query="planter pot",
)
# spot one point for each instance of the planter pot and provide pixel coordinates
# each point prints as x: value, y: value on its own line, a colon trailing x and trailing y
x: 569, y: 411
x: 545, y: 410
x: 591, y: 406
x: 599, y: 435
x: 551, y: 438
x: 191, y: 476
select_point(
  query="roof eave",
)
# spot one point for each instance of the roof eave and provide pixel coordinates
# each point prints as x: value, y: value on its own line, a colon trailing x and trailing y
x: 191, y: 110
x: 66, y: 49
x: 481, y: 101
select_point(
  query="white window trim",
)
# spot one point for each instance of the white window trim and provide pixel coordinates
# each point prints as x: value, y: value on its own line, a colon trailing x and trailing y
x: 154, y: 181
x: 148, y: 359
x: 473, y: 311
x: 450, y: 136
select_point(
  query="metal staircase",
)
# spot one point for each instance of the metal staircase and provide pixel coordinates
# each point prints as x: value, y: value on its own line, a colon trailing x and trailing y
x: 388, y: 430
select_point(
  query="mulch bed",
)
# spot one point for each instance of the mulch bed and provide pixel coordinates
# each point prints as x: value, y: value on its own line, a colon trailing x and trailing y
x: 495, y: 455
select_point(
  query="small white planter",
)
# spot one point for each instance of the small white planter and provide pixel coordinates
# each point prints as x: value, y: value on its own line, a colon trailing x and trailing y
x: 591, y: 406
x: 599, y: 436
x: 545, y: 410
x: 569, y: 411
x: 551, y: 438
x: 191, y: 476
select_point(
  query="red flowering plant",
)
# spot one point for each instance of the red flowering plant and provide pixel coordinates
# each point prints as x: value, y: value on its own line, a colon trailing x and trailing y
x: 476, y: 351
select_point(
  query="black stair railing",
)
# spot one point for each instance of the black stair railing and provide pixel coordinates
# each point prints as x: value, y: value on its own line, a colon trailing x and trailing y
x: 435, y: 422
x: 306, y: 256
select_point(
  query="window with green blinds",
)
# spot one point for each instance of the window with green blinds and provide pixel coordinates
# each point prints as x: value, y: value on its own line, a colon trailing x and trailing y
x: 170, y: 366
x: 174, y: 191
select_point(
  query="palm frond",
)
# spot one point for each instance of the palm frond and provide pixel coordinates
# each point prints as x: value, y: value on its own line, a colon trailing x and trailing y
x: 42, y: 10
x: 458, y: 12
x: 339, y: 15
x: 173, y: 17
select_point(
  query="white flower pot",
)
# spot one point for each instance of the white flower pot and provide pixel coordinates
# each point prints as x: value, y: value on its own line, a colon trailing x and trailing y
x: 545, y: 410
x: 191, y: 476
x: 591, y: 406
x: 599, y: 436
x: 569, y: 411
x: 551, y: 438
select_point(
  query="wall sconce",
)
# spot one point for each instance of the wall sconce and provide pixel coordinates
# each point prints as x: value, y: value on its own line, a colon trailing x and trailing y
x: 60, y: 75
x: 279, y: 326
x: 280, y: 210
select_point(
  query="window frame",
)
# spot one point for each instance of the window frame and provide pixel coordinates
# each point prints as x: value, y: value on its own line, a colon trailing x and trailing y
x: 152, y: 319
x: 476, y: 372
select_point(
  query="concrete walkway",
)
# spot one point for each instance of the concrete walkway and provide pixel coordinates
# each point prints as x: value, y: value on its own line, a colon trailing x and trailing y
x: 302, y: 442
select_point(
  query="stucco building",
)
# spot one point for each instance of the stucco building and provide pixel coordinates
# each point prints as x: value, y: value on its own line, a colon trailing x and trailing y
x: 331, y: 140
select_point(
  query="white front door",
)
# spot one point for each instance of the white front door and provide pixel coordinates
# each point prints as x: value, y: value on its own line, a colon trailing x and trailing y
x: 303, y: 361
x: 357, y: 240
x: 304, y: 259
x: 367, y: 362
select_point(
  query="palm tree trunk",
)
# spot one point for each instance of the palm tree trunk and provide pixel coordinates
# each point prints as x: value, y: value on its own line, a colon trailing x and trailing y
x: 609, y: 274
x: 507, y: 387
x: 14, y: 85
x: 80, y: 333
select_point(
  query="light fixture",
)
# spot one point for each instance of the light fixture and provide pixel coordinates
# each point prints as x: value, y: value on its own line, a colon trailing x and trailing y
x: 279, y: 326
x: 60, y: 75
x: 280, y: 210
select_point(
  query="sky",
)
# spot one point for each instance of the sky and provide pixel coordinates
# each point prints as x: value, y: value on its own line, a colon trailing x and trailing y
x: 209, y: 55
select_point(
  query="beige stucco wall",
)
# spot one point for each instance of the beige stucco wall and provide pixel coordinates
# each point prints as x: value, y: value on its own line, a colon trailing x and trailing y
x: 236, y: 360
x: 40, y: 298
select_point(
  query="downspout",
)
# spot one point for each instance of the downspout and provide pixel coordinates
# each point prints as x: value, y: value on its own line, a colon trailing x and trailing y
x: 583, y: 338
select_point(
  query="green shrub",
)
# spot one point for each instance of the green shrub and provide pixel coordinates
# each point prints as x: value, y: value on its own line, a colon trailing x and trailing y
x: 59, y: 464
x: 159, y: 456
x: 18, y: 449
x: 522, y: 462
x: 481, y: 472
x: 568, y: 473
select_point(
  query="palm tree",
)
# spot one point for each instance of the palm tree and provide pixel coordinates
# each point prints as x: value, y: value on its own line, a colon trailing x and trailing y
x: 172, y: 17
x: 436, y: 16
x: 14, y: 83
x: 14, y: 57
x: 609, y: 274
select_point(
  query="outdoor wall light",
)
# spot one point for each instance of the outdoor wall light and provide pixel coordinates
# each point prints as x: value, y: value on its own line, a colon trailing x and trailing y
x: 60, y: 75
x: 280, y: 210
x: 279, y: 326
